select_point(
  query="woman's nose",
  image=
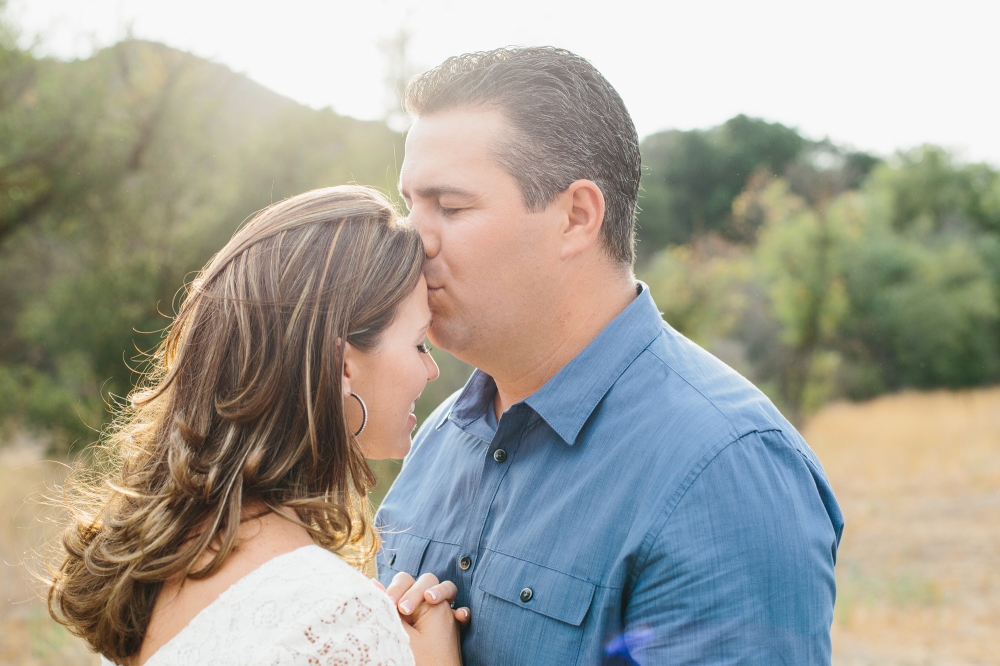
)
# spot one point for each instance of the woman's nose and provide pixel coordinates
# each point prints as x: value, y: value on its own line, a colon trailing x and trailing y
x: 433, y: 372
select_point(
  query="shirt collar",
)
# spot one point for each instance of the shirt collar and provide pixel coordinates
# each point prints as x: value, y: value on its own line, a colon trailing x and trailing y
x: 567, y: 400
x: 470, y: 408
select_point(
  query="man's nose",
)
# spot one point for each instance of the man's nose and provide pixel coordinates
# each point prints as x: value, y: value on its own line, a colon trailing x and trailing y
x: 424, y: 223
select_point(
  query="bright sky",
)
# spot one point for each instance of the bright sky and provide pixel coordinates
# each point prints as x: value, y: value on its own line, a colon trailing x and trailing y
x: 878, y: 75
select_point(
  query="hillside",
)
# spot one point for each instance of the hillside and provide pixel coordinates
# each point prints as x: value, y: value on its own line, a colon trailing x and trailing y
x: 130, y: 169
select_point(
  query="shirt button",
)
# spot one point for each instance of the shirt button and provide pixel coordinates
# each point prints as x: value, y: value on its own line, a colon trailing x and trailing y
x: 499, y: 455
x: 465, y: 563
x: 526, y: 594
x: 392, y: 559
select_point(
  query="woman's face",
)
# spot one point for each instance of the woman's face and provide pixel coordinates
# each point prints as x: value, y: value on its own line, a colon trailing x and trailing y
x: 390, y: 378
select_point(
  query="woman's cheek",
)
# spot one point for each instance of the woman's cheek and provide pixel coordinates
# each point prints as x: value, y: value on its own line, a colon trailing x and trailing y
x: 419, y: 374
x: 415, y: 375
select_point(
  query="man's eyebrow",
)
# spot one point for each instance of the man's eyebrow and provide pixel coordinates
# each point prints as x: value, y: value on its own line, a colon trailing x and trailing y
x: 435, y: 191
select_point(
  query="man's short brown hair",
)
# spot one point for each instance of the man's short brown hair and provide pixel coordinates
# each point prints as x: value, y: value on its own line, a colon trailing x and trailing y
x: 568, y: 124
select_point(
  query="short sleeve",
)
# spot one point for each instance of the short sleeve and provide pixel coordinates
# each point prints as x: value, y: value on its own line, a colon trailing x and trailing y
x: 361, y: 629
x: 742, y: 570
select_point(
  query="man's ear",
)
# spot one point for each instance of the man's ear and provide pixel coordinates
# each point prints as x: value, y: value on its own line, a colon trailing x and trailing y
x: 583, y: 202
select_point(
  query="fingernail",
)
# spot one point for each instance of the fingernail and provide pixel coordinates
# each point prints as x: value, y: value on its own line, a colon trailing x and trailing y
x: 406, y: 607
x: 465, y: 612
x: 432, y: 594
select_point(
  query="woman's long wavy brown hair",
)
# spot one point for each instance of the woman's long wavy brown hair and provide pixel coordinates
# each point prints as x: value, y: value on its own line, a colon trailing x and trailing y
x: 242, y: 406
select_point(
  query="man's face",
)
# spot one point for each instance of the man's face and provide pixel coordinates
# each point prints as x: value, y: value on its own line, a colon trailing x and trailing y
x: 489, y: 259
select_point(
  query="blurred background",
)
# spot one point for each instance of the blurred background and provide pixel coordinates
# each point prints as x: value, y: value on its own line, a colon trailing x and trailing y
x: 820, y: 209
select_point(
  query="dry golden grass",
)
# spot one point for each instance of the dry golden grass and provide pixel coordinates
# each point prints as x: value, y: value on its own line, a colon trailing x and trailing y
x: 918, y: 478
x: 28, y: 637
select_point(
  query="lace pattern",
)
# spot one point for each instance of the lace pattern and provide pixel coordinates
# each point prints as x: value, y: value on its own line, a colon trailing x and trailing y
x: 304, y: 608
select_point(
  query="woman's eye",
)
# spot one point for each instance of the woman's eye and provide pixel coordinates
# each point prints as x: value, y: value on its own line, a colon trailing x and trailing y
x: 424, y: 348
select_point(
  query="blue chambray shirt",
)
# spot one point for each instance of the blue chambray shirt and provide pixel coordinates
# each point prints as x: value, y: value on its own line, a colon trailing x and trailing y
x: 647, y: 505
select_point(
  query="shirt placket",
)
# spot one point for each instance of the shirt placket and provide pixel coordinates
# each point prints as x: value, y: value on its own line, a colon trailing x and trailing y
x: 510, y: 431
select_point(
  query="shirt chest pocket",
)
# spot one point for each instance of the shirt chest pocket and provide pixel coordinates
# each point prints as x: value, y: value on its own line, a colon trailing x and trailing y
x: 400, y: 552
x: 543, y: 608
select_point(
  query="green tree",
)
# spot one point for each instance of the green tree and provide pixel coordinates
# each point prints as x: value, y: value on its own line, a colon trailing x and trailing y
x: 923, y: 309
x: 799, y: 255
x: 925, y: 188
x: 854, y: 292
x: 692, y: 177
x: 924, y: 279
x: 700, y: 287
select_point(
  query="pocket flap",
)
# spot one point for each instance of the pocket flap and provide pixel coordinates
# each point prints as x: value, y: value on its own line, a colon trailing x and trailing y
x: 552, y: 593
x: 402, y: 552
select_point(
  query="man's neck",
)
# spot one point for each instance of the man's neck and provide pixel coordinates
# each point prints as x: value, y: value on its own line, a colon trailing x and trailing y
x: 566, y: 333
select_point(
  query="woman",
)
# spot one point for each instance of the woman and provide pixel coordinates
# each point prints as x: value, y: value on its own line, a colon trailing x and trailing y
x: 234, y: 482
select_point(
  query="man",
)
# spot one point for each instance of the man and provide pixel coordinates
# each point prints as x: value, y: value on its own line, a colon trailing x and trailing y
x: 602, y: 490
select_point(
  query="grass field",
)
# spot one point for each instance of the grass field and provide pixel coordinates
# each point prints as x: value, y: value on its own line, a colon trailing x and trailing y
x: 917, y: 475
x: 27, y: 636
x: 918, y: 478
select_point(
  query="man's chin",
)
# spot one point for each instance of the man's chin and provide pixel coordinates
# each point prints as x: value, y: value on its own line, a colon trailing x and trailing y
x: 444, y: 335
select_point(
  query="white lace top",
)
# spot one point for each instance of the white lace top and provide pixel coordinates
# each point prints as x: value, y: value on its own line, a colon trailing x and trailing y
x: 305, y: 607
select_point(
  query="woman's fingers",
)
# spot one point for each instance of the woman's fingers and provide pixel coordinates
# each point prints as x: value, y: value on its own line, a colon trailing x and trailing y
x: 409, y: 595
x: 401, y: 582
x: 445, y: 591
x: 413, y: 597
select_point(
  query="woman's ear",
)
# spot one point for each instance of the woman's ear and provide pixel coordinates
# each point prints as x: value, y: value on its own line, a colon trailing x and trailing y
x: 354, y: 413
x: 351, y: 367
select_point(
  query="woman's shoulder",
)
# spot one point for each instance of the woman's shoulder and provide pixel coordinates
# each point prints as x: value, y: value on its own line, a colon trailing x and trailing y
x: 306, y: 603
x: 317, y: 568
x: 318, y: 583
x: 339, y: 614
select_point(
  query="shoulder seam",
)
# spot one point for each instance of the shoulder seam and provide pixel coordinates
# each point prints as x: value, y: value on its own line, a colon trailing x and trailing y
x: 733, y: 431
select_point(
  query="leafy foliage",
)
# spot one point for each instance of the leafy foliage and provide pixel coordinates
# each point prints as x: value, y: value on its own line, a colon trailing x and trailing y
x: 894, y: 285
x: 693, y: 177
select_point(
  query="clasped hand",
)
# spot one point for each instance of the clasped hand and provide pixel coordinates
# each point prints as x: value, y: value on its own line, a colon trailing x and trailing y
x: 424, y: 606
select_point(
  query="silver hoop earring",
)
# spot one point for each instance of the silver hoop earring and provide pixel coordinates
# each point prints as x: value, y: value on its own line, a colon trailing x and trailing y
x: 364, y: 413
